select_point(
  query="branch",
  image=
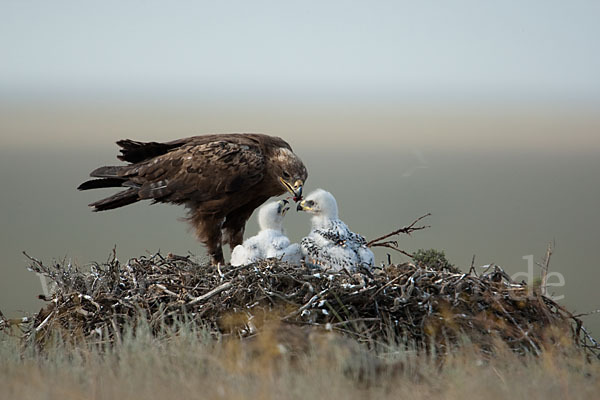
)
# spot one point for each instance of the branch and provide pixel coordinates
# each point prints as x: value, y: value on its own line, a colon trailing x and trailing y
x: 208, y: 295
x: 543, y: 287
x: 392, y: 244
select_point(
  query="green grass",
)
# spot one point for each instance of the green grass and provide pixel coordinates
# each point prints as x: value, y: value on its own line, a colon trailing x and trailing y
x: 185, y: 363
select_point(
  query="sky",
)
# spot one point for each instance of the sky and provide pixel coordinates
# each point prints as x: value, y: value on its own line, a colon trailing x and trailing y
x: 467, y: 48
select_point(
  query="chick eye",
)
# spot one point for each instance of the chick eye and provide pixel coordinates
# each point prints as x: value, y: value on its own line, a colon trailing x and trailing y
x: 286, y: 175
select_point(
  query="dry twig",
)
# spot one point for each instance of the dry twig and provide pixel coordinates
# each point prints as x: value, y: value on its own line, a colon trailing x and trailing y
x: 393, y: 244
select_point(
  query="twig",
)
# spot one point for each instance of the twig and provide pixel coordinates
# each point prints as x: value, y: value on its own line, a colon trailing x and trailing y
x: 37, y: 262
x: 167, y: 291
x: 392, y: 244
x: 306, y: 305
x: 591, y: 339
x: 472, y: 269
x: 407, y: 229
x: 44, y: 322
x: 585, y: 314
x: 525, y: 335
x: 384, y: 286
x: 543, y: 288
x: 208, y: 295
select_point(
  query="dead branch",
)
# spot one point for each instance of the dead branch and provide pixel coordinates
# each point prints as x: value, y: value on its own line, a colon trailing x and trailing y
x: 393, y: 244
x: 208, y: 295
x: 545, y: 267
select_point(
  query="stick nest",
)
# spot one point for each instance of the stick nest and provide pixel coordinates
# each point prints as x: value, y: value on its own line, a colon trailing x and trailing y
x: 408, y: 304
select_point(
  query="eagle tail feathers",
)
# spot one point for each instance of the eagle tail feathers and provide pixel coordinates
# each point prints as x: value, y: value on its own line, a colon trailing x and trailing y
x: 133, y: 151
x: 111, y: 171
x: 117, y: 200
x: 101, y: 183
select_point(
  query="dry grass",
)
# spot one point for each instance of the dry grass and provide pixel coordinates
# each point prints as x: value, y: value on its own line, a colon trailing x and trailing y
x: 184, y: 362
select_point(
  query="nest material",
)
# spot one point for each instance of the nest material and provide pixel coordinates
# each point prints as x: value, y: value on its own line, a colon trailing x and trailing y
x: 406, y: 304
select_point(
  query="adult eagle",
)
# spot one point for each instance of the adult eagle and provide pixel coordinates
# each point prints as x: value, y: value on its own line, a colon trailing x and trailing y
x: 221, y: 179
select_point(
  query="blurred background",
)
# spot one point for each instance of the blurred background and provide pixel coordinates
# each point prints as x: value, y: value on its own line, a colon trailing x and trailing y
x: 485, y: 114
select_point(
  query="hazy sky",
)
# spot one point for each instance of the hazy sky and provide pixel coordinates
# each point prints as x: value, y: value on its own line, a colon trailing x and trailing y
x: 506, y: 48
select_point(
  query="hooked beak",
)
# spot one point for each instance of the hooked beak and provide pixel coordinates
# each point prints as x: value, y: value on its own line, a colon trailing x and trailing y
x: 295, y: 190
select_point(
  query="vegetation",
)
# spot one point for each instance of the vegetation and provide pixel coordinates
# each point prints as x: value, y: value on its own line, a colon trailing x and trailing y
x: 434, y: 259
x: 183, y: 362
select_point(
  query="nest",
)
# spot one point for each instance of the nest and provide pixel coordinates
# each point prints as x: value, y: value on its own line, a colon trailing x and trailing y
x: 407, y: 304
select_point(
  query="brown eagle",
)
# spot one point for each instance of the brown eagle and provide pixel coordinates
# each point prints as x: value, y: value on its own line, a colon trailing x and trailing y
x: 221, y: 179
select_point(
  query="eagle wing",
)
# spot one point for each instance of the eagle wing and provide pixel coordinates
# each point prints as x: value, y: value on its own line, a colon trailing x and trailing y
x: 197, y: 172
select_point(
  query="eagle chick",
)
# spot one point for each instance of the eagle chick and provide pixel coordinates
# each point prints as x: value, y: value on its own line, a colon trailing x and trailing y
x: 331, y: 245
x: 271, y: 241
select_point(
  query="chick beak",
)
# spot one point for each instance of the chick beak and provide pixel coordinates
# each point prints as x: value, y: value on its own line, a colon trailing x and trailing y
x: 283, y: 206
x: 301, y: 205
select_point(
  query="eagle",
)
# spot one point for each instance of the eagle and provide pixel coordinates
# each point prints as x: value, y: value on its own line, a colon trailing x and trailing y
x: 219, y: 178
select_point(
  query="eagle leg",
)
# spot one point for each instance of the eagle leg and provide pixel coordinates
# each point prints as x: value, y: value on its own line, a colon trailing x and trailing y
x: 214, y: 247
x: 233, y: 231
x: 234, y: 236
x: 235, y: 222
x: 208, y: 231
x: 216, y: 257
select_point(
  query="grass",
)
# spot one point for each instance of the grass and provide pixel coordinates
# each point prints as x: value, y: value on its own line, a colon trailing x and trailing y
x: 183, y: 362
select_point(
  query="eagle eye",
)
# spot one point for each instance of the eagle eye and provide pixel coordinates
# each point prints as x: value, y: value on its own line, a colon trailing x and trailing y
x: 286, y: 175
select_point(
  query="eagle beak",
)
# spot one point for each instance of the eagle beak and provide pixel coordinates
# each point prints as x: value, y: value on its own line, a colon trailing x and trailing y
x: 295, y: 190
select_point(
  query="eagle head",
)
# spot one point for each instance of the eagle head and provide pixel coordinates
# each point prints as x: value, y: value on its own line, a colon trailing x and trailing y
x: 290, y: 171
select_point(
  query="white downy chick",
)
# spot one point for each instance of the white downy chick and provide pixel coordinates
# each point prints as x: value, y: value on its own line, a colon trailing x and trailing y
x: 330, y: 243
x: 270, y: 241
